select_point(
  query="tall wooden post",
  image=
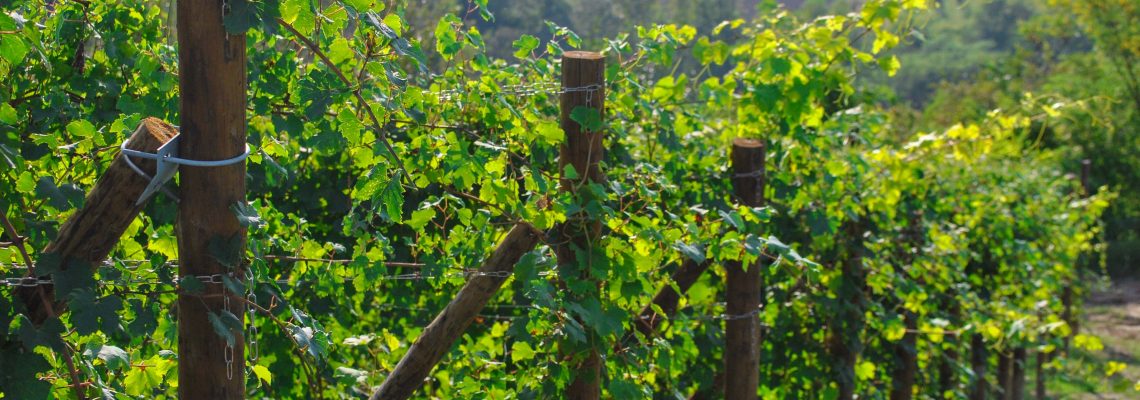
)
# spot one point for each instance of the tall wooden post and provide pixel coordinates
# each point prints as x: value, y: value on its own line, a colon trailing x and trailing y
x: 1017, y: 376
x: 979, y: 360
x: 583, y: 83
x: 212, y: 81
x: 847, y: 325
x: 742, y: 329
x: 906, y: 350
x: 947, y: 378
x: 1039, y: 389
x: 1005, y: 374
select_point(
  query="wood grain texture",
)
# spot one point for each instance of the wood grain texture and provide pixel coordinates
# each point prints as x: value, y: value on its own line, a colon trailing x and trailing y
x: 744, y: 285
x: 448, y: 327
x: 212, y: 81
x: 89, y: 235
x: 583, y: 149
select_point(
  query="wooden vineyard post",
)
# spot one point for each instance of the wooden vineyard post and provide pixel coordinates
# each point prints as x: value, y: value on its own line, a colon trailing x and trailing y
x: 1017, y: 376
x: 449, y: 325
x: 212, y: 81
x: 583, y: 96
x: 90, y: 234
x: 979, y: 360
x: 1005, y: 374
x: 947, y: 378
x: 1039, y: 390
x: 1067, y: 291
x: 906, y: 350
x: 742, y: 326
x: 847, y: 326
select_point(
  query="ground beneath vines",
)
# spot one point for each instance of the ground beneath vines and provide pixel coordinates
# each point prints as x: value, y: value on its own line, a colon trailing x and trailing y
x: 1112, y: 313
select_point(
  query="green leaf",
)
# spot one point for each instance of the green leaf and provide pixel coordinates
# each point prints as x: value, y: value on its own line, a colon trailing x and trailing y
x: 694, y: 253
x: 524, y: 45
x: 18, y: 375
x: 521, y: 351
x: 226, y: 325
x: 420, y: 218
x: 13, y: 49
x: 8, y: 114
x: 114, y: 357
x: 81, y: 129
x: 392, y: 199
x: 142, y: 381
x: 263, y: 374
x: 26, y: 183
x: 47, y: 335
x: 226, y: 251
x: 865, y: 370
x: 399, y: 44
x: 587, y: 117
x: 247, y: 216
x: 191, y: 284
x: 364, y: 6
x: 90, y: 314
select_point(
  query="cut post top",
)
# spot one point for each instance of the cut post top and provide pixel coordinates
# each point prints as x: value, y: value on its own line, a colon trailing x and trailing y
x: 747, y: 143
x: 583, y: 55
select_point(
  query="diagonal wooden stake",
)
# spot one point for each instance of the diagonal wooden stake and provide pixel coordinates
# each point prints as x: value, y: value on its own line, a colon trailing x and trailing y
x: 449, y: 325
x: 90, y: 234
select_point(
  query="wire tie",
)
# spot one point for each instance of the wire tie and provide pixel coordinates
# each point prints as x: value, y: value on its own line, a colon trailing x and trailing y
x: 754, y: 174
x: 167, y: 161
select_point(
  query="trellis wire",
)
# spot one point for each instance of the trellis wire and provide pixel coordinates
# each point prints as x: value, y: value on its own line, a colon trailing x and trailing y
x: 520, y: 90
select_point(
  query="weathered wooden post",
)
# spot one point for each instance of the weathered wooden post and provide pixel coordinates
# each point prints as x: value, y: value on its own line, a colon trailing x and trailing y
x: 90, y: 234
x: 1067, y: 291
x: 744, y: 285
x: 947, y: 378
x: 1005, y: 374
x: 1039, y: 390
x: 447, y: 327
x: 906, y: 350
x: 583, y: 85
x: 979, y: 360
x: 1017, y: 376
x: 847, y: 326
x: 212, y: 82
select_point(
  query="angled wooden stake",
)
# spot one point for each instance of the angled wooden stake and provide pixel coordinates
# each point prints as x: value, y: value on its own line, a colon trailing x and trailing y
x: 90, y: 234
x: 447, y: 327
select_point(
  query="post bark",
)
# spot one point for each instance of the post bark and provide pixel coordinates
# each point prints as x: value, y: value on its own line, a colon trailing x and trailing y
x: 847, y: 326
x: 1040, y: 389
x: 906, y: 350
x: 978, y: 362
x: 1017, y: 376
x: 212, y: 84
x: 744, y: 285
x: 447, y: 327
x: 947, y: 379
x: 89, y: 235
x: 1005, y: 374
x: 582, y: 150
x: 906, y: 361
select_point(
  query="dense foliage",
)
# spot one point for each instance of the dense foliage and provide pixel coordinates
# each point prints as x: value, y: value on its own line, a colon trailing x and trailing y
x: 382, y: 172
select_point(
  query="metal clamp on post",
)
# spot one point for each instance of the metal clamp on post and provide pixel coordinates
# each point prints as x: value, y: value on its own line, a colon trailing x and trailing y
x: 167, y: 162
